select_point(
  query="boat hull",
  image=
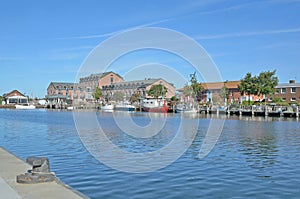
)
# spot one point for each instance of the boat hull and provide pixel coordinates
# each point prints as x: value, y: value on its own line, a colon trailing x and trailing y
x: 186, y: 111
x: 155, y: 105
x: 124, y: 108
x: 156, y: 109
x: 24, y: 107
x: 109, y: 107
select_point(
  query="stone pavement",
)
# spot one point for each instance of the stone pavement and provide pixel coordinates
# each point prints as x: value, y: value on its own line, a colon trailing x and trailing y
x: 11, y: 166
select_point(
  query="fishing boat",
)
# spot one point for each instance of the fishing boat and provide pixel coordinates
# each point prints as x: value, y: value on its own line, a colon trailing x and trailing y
x: 25, y: 106
x: 155, y: 105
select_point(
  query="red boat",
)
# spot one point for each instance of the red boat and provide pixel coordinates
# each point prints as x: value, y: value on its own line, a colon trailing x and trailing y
x: 155, y: 105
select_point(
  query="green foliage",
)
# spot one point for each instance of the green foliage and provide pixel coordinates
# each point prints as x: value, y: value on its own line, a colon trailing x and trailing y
x: 1, y: 99
x: 277, y: 100
x: 266, y: 83
x: 157, y: 91
x: 97, y: 94
x: 118, y: 96
x: 187, y: 90
x: 215, y: 99
x: 135, y: 97
x: 248, y: 85
x: 263, y: 84
x: 174, y: 99
x: 224, y: 92
x: 282, y: 104
x: 247, y: 103
x: 197, y: 88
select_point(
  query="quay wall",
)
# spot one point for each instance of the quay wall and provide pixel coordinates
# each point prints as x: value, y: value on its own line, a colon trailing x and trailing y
x: 11, y: 166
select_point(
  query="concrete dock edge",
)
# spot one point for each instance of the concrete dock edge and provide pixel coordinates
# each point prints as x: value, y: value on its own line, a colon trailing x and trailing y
x: 11, y: 166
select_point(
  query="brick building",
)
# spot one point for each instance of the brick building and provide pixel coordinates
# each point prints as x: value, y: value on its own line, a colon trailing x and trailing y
x: 130, y: 88
x: 212, y: 91
x: 109, y: 82
x: 63, y: 91
x: 82, y: 91
x: 92, y: 81
x: 287, y: 92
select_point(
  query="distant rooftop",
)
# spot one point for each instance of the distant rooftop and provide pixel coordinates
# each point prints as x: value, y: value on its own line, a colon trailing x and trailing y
x: 144, y: 82
x: 292, y: 83
x: 96, y: 77
x: 219, y: 85
x: 64, y: 85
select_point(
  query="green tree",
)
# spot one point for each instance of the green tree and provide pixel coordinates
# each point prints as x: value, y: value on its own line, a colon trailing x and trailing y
x: 267, y: 81
x: 174, y: 99
x: 215, y: 100
x: 1, y: 99
x: 135, y: 97
x: 263, y: 84
x: 157, y: 91
x: 118, y: 96
x: 187, y: 90
x: 224, y: 93
x: 97, y: 94
x: 248, y: 85
x: 277, y: 100
x: 197, y: 88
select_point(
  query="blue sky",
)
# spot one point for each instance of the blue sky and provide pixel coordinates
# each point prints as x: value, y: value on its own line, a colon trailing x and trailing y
x: 44, y: 41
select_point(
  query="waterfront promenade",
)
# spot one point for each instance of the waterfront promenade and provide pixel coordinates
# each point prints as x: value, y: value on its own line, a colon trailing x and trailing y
x: 11, y: 166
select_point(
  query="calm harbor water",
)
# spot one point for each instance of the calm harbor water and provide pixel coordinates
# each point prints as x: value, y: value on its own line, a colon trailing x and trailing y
x: 253, y: 158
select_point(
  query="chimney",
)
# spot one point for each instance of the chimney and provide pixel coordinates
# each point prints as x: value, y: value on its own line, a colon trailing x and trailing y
x: 292, y: 81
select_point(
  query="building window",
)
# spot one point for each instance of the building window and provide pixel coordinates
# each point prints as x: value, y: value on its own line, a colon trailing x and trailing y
x: 277, y: 91
x: 111, y: 80
x: 283, y: 90
x: 293, y: 99
x: 293, y: 90
x: 283, y: 99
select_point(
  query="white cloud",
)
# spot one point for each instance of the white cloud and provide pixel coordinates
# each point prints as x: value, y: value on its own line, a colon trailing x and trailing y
x: 247, y: 34
x: 280, y: 45
x: 118, y: 31
x: 75, y: 48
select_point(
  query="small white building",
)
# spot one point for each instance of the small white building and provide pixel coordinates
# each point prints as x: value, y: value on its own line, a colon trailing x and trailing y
x: 15, y: 97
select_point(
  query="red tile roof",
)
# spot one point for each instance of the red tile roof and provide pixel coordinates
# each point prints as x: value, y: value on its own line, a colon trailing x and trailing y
x: 219, y: 85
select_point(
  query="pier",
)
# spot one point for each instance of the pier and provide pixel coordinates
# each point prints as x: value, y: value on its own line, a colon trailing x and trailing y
x: 11, y: 167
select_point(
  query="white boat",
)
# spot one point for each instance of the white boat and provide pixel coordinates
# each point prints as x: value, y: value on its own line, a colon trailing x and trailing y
x: 25, y: 106
x: 191, y: 110
x: 70, y: 108
x: 108, y: 107
x: 124, y: 107
x: 155, y: 105
x: 181, y: 108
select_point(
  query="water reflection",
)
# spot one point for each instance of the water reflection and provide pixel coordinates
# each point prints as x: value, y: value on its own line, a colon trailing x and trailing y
x: 257, y: 151
x: 248, y: 118
x: 259, y: 144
